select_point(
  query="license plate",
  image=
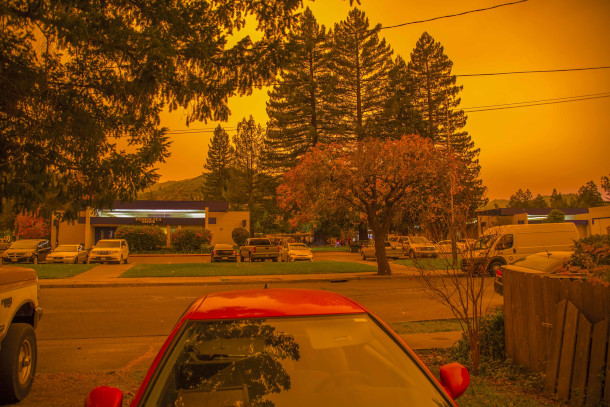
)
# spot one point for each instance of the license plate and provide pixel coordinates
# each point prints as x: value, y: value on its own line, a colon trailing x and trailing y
x: 14, y: 260
x: 108, y: 258
x: 225, y: 258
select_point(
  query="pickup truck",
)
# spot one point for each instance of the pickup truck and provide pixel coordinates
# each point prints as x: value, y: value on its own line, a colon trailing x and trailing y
x: 19, y: 316
x: 257, y: 248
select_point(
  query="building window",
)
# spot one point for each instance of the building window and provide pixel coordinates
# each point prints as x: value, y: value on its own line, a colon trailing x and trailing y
x: 211, y: 221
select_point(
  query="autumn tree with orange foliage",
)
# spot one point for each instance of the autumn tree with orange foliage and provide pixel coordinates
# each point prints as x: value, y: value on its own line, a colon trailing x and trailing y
x: 372, y: 177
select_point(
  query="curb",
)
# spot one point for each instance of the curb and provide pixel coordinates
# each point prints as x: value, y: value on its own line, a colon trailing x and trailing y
x: 129, y: 282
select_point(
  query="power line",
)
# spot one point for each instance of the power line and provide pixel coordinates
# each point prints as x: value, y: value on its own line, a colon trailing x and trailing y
x: 533, y: 71
x: 540, y: 102
x: 454, y: 15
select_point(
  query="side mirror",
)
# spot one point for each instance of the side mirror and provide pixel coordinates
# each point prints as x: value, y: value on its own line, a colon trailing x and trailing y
x: 455, y: 379
x: 104, y: 396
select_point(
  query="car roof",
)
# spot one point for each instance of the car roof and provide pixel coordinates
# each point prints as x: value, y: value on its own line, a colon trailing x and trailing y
x: 261, y: 303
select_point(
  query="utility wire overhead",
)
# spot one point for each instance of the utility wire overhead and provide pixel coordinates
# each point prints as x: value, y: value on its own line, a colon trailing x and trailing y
x: 532, y: 71
x: 536, y: 103
x: 453, y: 15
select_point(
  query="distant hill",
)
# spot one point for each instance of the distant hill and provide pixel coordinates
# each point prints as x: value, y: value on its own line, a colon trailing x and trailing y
x: 184, y: 190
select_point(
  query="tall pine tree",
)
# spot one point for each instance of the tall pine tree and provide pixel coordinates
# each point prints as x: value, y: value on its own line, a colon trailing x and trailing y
x: 300, y: 105
x: 248, y: 142
x: 362, y: 64
x: 436, y: 98
x: 218, y: 165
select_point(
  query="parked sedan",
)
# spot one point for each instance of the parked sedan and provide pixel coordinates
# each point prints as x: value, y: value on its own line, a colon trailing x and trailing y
x: 392, y: 250
x: 223, y: 252
x: 444, y: 247
x: 68, y: 253
x: 286, y: 347
x: 537, y: 263
x: 295, y: 252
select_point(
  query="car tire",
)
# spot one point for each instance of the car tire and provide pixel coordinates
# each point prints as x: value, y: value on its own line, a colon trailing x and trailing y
x: 76, y: 260
x: 275, y: 259
x: 126, y: 260
x: 412, y: 254
x: 363, y: 256
x: 18, y: 357
x: 494, y: 267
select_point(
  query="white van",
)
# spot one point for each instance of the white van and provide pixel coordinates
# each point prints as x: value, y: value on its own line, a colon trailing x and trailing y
x: 501, y: 245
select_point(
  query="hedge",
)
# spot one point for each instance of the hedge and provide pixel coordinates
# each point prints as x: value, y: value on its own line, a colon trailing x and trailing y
x: 188, y: 239
x: 141, y: 238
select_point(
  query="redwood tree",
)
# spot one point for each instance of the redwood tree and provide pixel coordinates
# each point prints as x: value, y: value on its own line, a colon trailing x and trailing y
x: 372, y: 177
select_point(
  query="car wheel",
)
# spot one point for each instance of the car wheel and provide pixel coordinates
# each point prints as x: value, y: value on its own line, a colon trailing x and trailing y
x: 126, y: 260
x: 412, y: 254
x: 494, y: 267
x: 76, y: 260
x: 18, y: 357
x: 363, y: 256
x: 275, y: 259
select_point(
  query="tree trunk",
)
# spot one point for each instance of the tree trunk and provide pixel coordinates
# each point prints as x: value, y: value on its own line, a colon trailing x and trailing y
x: 363, y: 232
x: 383, y: 266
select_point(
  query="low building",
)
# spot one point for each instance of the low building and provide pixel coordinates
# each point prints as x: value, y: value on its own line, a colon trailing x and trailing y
x: 588, y: 221
x: 170, y: 216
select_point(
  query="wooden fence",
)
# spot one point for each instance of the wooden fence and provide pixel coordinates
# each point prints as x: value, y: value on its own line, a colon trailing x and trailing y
x: 559, y: 326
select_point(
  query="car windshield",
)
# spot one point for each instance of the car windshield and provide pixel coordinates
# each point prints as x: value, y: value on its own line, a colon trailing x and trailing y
x: 66, y: 248
x: 345, y: 360
x: 23, y: 245
x: 419, y: 240
x: 484, y: 242
x: 543, y: 262
x: 108, y: 243
x: 297, y: 246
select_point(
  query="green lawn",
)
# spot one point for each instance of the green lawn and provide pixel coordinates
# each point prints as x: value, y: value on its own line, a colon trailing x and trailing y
x: 329, y: 249
x: 245, y: 269
x: 435, y: 325
x: 51, y: 271
x: 440, y: 263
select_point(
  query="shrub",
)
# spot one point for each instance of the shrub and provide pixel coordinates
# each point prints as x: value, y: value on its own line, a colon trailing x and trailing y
x: 591, y: 252
x: 141, y: 238
x: 190, y: 240
x: 239, y: 236
x: 555, y: 216
x: 32, y: 227
x: 491, y: 341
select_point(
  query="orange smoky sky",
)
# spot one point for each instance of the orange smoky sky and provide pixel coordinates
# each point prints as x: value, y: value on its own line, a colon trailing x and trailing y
x: 557, y: 145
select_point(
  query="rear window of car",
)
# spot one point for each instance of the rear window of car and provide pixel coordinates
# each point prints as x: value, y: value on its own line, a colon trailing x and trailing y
x: 542, y: 262
x: 260, y: 242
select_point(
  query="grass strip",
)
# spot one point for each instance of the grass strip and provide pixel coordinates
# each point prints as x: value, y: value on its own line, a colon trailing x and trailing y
x: 428, y: 326
x: 430, y: 264
x: 53, y: 271
x: 245, y: 269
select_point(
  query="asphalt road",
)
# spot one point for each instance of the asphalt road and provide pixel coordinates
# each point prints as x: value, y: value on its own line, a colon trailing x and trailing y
x: 85, y: 329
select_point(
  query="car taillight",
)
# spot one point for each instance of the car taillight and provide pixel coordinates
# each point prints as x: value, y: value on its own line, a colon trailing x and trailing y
x: 234, y: 253
x: 279, y: 248
x: 214, y: 253
x: 254, y: 249
x: 499, y: 273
